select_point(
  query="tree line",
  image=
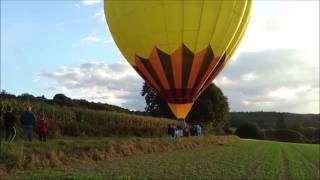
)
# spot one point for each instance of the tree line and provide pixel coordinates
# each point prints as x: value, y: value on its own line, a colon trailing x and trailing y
x: 62, y: 101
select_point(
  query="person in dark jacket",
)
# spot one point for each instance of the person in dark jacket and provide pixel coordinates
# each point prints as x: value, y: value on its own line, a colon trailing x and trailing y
x: 28, y: 121
x: 169, y: 129
x: 173, y: 131
x: 9, y: 123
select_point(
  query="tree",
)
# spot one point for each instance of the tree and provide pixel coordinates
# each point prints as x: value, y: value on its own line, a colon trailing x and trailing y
x: 62, y: 100
x: 155, y: 105
x: 281, y: 124
x: 288, y: 135
x: 248, y: 130
x: 27, y: 97
x: 211, y: 108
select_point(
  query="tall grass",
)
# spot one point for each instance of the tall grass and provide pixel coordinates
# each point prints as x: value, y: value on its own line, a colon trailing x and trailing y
x: 75, y: 121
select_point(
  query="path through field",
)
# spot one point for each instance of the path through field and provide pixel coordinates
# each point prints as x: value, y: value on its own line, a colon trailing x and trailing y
x: 242, y: 160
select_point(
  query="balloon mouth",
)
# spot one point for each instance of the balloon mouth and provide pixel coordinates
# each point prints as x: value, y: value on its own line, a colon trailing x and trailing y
x: 180, y: 77
x: 180, y: 110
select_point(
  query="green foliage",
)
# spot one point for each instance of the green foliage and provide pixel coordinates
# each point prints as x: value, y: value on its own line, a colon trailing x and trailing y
x: 75, y: 121
x: 248, y: 130
x: 268, y: 120
x: 57, y: 174
x: 61, y: 100
x: 70, y: 151
x: 211, y: 108
x: 281, y: 124
x: 306, y: 124
x: 288, y: 135
x: 241, y: 160
x: 155, y: 105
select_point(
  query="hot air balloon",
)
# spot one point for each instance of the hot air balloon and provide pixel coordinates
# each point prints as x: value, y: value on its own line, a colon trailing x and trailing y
x: 177, y: 46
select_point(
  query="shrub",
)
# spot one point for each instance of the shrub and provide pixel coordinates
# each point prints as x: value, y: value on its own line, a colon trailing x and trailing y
x: 228, y: 131
x: 248, y: 130
x: 288, y: 135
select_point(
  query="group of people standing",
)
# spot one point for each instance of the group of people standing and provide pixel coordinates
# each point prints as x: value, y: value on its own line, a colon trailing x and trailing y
x: 28, y: 122
x: 180, y: 131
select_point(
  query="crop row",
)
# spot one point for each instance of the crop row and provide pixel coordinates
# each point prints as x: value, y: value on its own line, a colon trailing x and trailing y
x: 72, y: 121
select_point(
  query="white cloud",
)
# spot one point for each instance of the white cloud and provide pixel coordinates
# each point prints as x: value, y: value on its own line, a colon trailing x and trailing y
x: 288, y: 93
x: 114, y: 83
x: 77, y: 5
x: 272, y: 80
x: 60, y: 24
x: 283, y: 24
x: 91, y: 2
x: 91, y: 39
x: 109, y: 40
x: 276, y: 66
x: 223, y: 80
x: 99, y: 15
x: 249, y: 76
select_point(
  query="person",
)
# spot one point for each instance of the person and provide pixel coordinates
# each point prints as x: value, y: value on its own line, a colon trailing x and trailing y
x: 169, y: 129
x: 28, y: 121
x: 173, y: 131
x: 186, y: 132
x: 179, y: 131
x: 42, y: 129
x: 192, y: 130
x: 9, y: 123
x: 198, y: 130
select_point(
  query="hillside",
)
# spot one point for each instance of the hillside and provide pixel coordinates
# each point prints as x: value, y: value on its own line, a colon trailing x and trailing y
x: 268, y: 120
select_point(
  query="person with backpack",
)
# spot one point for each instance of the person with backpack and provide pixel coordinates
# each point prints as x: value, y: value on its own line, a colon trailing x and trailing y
x: 9, y: 124
x: 42, y: 129
x: 28, y: 121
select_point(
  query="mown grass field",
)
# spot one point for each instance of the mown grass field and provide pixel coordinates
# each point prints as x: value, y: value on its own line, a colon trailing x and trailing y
x: 244, y: 159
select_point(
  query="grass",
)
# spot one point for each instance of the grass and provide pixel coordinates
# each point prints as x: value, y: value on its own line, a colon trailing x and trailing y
x: 22, y: 155
x: 245, y: 159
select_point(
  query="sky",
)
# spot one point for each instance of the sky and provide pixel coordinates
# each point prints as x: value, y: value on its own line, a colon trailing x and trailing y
x: 50, y: 47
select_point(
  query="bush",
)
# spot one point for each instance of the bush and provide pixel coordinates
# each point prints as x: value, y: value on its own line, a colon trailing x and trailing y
x: 248, y: 130
x: 288, y: 135
x: 228, y: 131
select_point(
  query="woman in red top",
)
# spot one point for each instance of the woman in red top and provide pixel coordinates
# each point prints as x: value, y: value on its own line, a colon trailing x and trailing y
x: 42, y: 129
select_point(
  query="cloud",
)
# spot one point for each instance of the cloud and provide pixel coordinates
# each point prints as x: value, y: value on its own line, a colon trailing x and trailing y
x: 77, y: 5
x: 94, y: 38
x: 109, y: 40
x: 60, y: 24
x: 91, y: 39
x: 114, y: 83
x: 282, y: 24
x: 249, y: 76
x: 91, y: 2
x: 272, y: 80
x: 99, y: 15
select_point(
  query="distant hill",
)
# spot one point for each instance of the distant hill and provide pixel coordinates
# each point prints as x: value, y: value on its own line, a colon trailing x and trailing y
x: 268, y: 120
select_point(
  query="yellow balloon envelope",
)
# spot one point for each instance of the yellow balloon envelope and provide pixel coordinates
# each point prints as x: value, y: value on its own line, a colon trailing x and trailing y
x: 177, y: 46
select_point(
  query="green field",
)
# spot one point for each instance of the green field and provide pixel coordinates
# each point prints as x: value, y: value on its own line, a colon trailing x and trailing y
x: 245, y: 159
